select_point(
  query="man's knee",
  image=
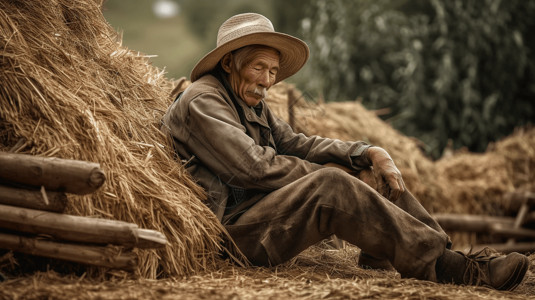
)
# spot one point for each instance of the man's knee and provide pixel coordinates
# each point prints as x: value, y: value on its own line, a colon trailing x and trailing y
x: 334, y: 188
x: 338, y: 182
x: 334, y: 177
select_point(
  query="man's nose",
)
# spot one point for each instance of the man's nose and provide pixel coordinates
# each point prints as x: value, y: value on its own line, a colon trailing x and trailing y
x: 264, y: 79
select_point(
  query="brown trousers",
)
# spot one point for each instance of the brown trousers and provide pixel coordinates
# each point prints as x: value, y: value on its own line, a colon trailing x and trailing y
x: 330, y: 201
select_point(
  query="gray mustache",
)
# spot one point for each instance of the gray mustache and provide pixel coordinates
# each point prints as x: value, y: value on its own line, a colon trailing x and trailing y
x: 262, y: 92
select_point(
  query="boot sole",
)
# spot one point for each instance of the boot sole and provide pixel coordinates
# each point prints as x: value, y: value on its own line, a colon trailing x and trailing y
x: 517, y: 276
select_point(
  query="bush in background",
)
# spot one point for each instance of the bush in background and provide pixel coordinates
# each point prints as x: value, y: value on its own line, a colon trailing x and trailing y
x: 447, y: 70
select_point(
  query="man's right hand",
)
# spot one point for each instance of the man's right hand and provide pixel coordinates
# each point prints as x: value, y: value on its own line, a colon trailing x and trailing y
x: 389, y: 180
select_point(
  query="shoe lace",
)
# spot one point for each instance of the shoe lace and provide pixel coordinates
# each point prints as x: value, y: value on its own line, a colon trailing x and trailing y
x: 474, y: 274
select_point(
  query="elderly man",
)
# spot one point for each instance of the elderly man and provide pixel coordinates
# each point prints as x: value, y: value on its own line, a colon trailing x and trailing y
x: 274, y: 190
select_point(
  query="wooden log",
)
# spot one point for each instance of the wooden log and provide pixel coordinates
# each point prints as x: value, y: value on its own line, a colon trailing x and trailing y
x: 79, y: 229
x: 147, y: 238
x: 520, y: 217
x: 55, y: 174
x: 530, y: 218
x: 512, y: 232
x: 292, y: 101
x: 525, y: 247
x: 471, y: 223
x: 516, y: 200
x: 33, y: 199
x: 90, y: 255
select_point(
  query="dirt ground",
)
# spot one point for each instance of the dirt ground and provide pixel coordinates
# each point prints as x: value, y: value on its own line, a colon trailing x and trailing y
x: 320, y: 272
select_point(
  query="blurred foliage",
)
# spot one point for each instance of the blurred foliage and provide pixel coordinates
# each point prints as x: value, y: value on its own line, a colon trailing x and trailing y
x: 447, y: 70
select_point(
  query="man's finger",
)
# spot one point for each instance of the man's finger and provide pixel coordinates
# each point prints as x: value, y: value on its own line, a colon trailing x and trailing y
x: 394, y: 189
x: 401, y: 185
x: 381, y: 185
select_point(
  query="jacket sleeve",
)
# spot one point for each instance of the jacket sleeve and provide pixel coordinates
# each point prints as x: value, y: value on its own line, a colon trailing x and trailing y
x: 318, y: 149
x: 220, y: 142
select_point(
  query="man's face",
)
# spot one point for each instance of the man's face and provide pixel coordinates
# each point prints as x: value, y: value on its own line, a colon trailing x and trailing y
x: 256, y: 76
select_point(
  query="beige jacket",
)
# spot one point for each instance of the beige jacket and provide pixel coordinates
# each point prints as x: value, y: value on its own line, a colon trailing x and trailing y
x: 250, y: 159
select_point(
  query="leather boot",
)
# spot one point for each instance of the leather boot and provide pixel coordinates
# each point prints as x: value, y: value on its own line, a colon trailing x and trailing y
x: 483, y: 268
x: 367, y: 261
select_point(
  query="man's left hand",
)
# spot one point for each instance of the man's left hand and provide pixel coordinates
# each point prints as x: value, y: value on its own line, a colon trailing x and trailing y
x: 389, y: 181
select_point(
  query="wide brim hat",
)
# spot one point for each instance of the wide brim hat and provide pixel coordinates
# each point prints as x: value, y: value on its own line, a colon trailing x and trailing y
x: 254, y: 29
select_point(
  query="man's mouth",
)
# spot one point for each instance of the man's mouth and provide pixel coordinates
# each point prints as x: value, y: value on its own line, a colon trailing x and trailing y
x: 258, y: 93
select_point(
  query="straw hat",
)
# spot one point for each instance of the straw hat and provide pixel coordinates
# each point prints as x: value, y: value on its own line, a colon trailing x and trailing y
x: 254, y: 29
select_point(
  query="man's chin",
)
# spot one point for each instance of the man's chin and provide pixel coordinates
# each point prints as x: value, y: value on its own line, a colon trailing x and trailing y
x: 252, y: 101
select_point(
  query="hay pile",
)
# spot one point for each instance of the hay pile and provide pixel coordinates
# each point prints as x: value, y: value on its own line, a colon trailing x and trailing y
x: 462, y: 182
x: 70, y: 90
x: 477, y: 182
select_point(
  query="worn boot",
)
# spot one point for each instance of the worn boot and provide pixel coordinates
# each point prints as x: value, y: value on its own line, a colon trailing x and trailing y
x: 367, y: 261
x: 485, y: 268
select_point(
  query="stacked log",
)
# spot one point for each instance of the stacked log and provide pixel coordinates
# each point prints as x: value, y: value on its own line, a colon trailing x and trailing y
x: 32, y: 199
x: 520, y: 237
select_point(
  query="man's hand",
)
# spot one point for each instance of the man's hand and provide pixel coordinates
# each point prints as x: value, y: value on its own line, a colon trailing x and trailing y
x: 389, y: 181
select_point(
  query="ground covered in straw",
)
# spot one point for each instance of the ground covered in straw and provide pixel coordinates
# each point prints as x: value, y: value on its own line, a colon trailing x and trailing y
x: 319, y: 273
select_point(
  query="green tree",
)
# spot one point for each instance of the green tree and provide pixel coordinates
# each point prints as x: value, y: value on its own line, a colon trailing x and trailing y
x: 459, y: 70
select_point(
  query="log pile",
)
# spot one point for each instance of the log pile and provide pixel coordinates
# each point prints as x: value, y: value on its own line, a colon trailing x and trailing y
x: 32, y: 201
x: 517, y: 233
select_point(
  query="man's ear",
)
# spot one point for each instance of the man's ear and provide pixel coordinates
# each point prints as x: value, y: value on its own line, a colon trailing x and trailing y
x: 226, y: 62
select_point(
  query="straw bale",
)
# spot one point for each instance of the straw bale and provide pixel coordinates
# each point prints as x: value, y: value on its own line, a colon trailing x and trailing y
x: 475, y: 183
x: 519, y: 151
x: 478, y: 182
x: 70, y: 90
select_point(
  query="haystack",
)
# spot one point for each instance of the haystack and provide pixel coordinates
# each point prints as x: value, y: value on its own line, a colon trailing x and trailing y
x: 477, y: 182
x: 70, y: 90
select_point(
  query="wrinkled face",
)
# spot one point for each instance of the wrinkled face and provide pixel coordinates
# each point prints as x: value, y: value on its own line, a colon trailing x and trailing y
x: 256, y: 75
